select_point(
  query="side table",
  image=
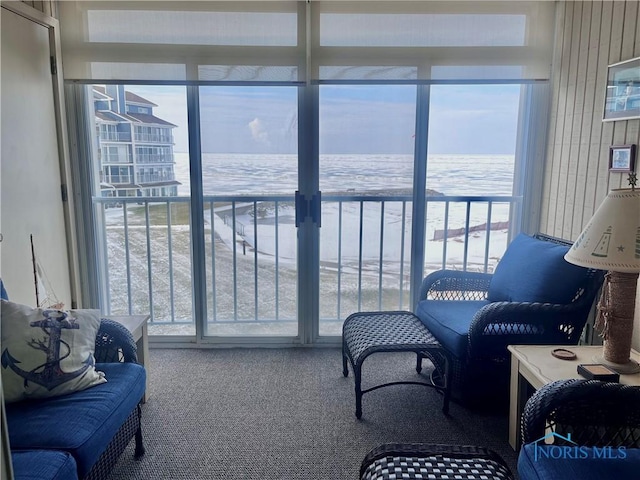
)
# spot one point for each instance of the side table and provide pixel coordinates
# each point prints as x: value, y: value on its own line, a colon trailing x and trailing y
x: 533, y: 365
x: 137, y: 325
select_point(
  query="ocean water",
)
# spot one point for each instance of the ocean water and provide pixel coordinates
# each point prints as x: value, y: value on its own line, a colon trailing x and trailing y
x: 226, y: 174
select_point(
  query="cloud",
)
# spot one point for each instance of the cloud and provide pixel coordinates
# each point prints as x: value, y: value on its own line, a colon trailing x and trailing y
x: 258, y: 131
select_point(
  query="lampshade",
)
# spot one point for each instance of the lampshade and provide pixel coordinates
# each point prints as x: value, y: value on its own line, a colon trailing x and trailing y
x: 611, y: 239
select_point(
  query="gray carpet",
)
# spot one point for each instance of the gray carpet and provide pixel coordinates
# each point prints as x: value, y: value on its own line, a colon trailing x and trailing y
x: 287, y: 414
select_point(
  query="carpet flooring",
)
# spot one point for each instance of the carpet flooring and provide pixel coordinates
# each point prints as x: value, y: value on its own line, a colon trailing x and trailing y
x: 288, y: 414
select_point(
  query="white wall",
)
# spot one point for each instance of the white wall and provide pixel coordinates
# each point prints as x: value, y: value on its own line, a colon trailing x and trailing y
x: 589, y: 36
x: 30, y: 181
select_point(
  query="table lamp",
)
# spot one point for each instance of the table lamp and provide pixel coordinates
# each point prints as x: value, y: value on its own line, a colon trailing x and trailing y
x: 611, y: 241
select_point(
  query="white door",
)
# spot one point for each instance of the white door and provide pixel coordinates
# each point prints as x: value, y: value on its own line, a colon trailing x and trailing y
x: 30, y: 200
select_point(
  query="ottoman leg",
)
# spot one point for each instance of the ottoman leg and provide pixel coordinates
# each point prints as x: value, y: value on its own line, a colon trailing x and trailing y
x: 447, y: 385
x: 357, y: 373
x: 345, y: 369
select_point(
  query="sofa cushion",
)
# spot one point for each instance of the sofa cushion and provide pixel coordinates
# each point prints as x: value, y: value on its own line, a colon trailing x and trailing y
x: 81, y: 423
x: 533, y: 270
x: 43, y: 465
x: 449, y: 321
x: 47, y: 352
x: 585, y: 467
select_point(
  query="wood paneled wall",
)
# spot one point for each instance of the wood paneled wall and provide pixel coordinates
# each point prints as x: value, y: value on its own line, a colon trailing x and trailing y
x: 48, y: 7
x: 589, y: 36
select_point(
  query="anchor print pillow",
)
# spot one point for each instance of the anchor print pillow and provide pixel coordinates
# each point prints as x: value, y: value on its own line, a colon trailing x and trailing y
x: 47, y: 352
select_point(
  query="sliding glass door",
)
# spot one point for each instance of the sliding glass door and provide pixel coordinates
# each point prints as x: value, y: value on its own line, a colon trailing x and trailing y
x: 366, y: 165
x: 249, y: 139
x: 199, y: 225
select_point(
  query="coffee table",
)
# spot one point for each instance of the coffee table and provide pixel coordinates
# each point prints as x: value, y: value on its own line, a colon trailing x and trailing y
x: 533, y: 366
x: 366, y: 333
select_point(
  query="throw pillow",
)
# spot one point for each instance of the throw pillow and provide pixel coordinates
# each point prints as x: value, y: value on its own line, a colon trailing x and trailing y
x: 534, y: 270
x: 47, y: 352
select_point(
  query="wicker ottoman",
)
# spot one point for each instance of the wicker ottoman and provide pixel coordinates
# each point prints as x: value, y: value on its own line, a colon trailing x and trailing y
x: 428, y: 461
x: 366, y: 333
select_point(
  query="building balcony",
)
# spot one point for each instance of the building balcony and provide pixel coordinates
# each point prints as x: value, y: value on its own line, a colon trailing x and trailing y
x: 153, y: 138
x: 146, y: 158
x: 115, y: 136
x: 155, y: 178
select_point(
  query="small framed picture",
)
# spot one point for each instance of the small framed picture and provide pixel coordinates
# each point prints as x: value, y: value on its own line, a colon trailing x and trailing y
x: 622, y: 158
x: 622, y: 101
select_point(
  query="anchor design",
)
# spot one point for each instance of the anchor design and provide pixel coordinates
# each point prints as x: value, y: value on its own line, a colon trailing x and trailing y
x: 49, y: 374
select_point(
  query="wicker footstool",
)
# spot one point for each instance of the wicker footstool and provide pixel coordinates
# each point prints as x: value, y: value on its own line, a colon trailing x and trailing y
x: 426, y: 461
x: 395, y: 331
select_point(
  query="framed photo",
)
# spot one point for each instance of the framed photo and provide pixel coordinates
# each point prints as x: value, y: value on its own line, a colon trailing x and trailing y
x: 622, y: 101
x: 622, y: 158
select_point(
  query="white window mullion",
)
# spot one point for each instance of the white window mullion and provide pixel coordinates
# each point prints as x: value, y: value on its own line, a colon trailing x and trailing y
x: 418, y: 228
x: 198, y: 263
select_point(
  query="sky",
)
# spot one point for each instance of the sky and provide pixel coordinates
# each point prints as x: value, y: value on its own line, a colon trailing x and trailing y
x: 375, y: 119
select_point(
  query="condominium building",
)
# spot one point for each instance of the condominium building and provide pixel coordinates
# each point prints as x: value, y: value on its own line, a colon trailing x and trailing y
x: 135, y: 148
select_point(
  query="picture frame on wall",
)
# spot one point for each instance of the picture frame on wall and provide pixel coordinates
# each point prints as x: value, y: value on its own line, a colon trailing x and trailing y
x: 622, y: 158
x: 622, y: 101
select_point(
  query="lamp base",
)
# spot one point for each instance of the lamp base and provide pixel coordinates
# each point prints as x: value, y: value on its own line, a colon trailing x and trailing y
x: 622, y: 368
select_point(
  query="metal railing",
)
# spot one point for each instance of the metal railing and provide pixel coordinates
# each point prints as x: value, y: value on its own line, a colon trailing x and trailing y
x: 153, y: 158
x: 117, y: 159
x: 151, y: 178
x: 117, y: 179
x: 153, y: 138
x: 115, y: 136
x: 251, y: 253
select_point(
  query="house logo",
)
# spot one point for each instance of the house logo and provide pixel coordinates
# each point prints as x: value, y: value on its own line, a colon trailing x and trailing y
x: 544, y: 448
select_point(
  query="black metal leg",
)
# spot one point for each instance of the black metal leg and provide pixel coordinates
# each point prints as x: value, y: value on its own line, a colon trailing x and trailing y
x: 357, y: 373
x: 345, y: 369
x: 419, y: 362
x: 447, y: 385
x: 139, y: 451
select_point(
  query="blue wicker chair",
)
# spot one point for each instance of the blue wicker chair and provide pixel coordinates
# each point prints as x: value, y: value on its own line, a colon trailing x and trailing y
x: 595, y: 426
x: 534, y: 297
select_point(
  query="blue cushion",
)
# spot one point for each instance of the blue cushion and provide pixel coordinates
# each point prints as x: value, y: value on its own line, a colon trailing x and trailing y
x: 533, y: 270
x: 43, y: 465
x: 449, y: 321
x: 530, y: 468
x: 81, y: 423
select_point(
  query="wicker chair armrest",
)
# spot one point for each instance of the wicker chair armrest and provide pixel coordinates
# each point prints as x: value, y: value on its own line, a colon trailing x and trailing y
x: 499, y: 324
x: 114, y: 343
x: 428, y: 450
x: 595, y: 413
x: 455, y: 285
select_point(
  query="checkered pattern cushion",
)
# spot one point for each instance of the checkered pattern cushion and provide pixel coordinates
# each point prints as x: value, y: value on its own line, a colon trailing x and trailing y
x: 391, y: 461
x: 435, y: 467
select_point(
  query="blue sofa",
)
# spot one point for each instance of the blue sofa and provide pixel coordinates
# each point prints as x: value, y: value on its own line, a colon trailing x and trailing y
x: 81, y: 435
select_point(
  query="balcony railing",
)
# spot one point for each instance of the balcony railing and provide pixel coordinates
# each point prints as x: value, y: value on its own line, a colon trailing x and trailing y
x: 155, y: 178
x: 251, y: 259
x: 149, y: 158
x: 115, y: 136
x: 153, y: 138
x: 117, y: 179
x: 116, y: 159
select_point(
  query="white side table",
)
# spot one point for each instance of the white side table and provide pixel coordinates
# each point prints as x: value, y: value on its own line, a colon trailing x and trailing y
x: 534, y: 365
x: 137, y: 325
